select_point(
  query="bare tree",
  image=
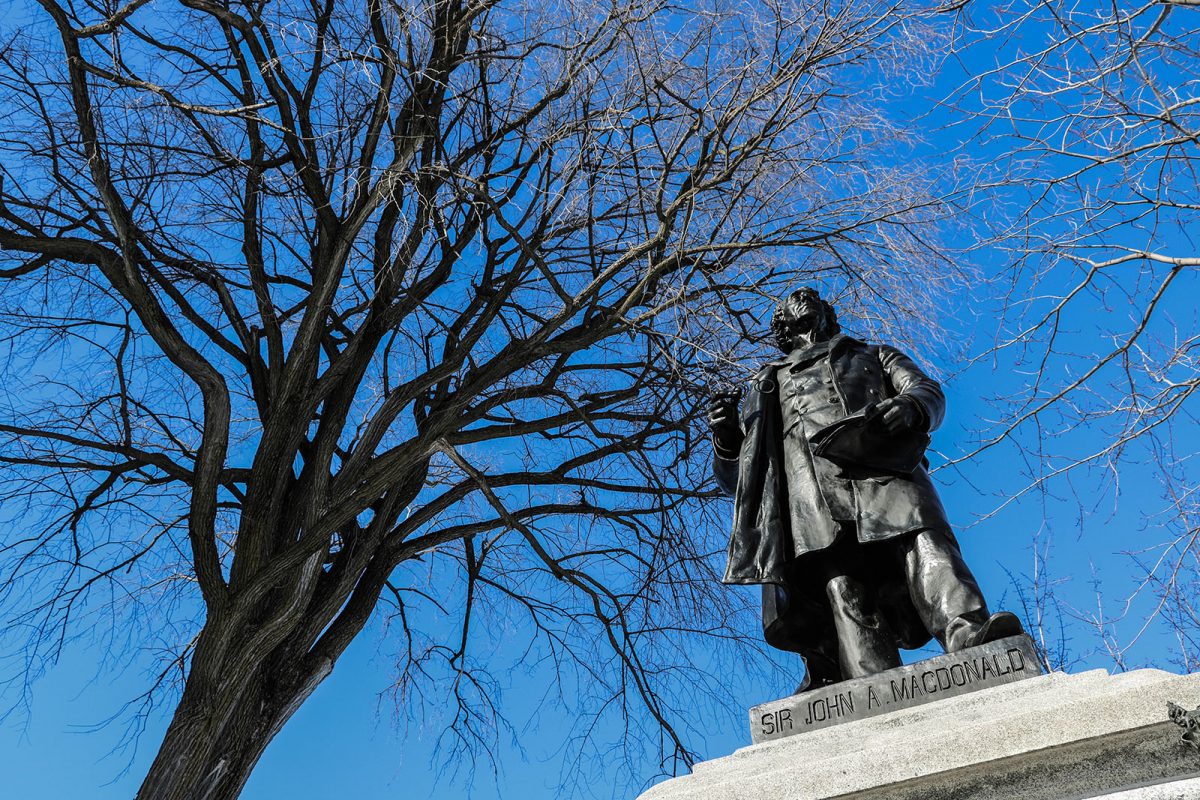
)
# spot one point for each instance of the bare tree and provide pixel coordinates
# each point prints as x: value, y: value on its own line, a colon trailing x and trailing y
x: 1044, y: 613
x: 318, y: 309
x: 1089, y: 120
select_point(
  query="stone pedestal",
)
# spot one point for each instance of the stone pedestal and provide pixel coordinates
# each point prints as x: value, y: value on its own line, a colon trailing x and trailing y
x: 1052, y: 737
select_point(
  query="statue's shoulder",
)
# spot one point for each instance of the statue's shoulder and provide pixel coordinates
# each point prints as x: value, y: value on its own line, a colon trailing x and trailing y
x: 849, y: 343
x: 887, y: 352
x: 887, y: 355
x: 876, y: 348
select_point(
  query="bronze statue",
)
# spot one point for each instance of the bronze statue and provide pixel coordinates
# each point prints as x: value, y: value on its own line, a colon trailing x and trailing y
x: 834, y: 512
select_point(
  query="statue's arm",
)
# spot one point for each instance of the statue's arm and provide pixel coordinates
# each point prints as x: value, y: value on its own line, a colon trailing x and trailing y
x: 727, y: 438
x: 910, y: 382
x: 725, y: 468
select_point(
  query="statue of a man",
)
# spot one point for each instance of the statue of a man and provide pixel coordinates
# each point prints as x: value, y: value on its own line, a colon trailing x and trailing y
x: 856, y: 562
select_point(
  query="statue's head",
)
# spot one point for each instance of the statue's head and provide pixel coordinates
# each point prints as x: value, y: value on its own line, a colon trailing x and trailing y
x: 803, y: 311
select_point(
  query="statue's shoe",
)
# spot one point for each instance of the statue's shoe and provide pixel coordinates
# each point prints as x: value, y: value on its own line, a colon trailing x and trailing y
x: 1000, y: 625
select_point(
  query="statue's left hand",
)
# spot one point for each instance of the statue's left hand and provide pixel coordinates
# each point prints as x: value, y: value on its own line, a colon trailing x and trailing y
x: 895, y: 415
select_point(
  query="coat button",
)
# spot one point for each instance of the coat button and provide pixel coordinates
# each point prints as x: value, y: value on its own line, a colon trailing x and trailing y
x: 833, y: 400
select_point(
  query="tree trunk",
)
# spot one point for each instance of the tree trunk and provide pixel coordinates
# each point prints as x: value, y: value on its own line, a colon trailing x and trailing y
x: 214, y: 741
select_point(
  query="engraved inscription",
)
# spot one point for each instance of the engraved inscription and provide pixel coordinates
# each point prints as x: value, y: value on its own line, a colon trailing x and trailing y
x: 777, y: 722
x: 835, y: 706
x: 961, y: 673
x: 948, y: 675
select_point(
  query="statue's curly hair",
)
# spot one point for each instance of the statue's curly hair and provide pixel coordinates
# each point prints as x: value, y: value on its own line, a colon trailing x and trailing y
x: 780, y: 318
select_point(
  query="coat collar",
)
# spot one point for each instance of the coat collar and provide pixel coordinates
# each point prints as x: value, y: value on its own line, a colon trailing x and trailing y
x: 810, y: 353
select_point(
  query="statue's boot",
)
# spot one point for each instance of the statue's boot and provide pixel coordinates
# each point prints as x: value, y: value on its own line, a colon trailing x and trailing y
x: 978, y: 627
x: 1000, y: 625
x: 820, y: 667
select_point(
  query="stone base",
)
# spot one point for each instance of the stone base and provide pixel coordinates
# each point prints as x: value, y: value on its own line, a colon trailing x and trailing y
x: 1054, y: 737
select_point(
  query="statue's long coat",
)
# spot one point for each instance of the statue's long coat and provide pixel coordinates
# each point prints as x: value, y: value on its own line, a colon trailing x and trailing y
x: 783, y: 495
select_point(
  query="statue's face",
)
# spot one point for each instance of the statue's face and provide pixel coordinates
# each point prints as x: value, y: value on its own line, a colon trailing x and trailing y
x: 803, y: 313
x: 805, y: 309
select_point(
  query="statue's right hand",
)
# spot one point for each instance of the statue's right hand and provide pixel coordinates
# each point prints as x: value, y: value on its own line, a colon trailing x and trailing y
x: 723, y: 420
x: 723, y: 410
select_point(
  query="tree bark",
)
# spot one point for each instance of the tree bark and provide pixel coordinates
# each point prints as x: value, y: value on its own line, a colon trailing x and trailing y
x: 215, y: 739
